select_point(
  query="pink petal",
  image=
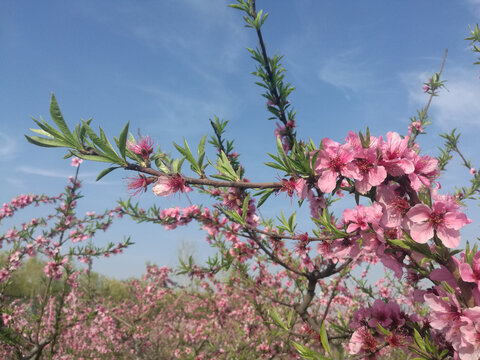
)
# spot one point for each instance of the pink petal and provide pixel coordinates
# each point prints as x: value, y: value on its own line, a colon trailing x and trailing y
x: 362, y: 186
x: 421, y: 233
x: 419, y: 213
x: 449, y: 237
x: 327, y: 181
x: 466, y: 273
x: 377, y: 175
x: 455, y: 220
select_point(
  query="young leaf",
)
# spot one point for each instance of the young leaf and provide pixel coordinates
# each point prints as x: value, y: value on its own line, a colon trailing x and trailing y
x: 106, y: 171
x: 324, y: 339
x: 122, y: 140
x: 57, y: 118
x: 46, y: 142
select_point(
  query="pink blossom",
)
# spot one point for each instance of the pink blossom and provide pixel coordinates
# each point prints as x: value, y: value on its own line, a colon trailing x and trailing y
x: 360, y: 217
x: 424, y: 173
x: 301, y: 187
x: 395, y: 154
x: 471, y: 273
x: 469, y: 348
x: 334, y: 160
x: 393, y: 204
x: 76, y: 162
x: 138, y: 184
x: 316, y: 204
x: 166, y: 185
x: 362, y: 341
x: 144, y: 147
x: 442, y: 218
x: 371, y: 174
x: 386, y: 314
x: 447, y: 316
x: 415, y: 125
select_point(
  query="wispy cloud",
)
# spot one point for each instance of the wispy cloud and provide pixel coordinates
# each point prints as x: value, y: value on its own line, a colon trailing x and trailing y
x: 459, y: 105
x: 346, y: 72
x: 87, y: 177
x: 216, y: 30
x: 183, y: 113
x: 7, y: 146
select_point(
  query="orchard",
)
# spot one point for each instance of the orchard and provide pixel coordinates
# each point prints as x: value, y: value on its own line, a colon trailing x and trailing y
x: 277, y: 288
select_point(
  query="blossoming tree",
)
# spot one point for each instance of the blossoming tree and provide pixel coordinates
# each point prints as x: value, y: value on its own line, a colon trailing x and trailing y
x: 401, y: 220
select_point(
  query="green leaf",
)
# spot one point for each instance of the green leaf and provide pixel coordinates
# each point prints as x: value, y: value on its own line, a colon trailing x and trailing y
x: 265, y: 196
x: 383, y: 330
x: 102, y: 143
x: 418, y: 339
x: 400, y: 243
x: 46, y: 142
x: 42, y: 132
x: 106, y: 171
x: 188, y: 155
x: 122, y: 140
x: 245, y: 207
x: 324, y: 339
x: 92, y: 157
x: 277, y: 320
x: 306, y: 353
x: 201, y: 150
x: 54, y: 133
x: 57, y: 117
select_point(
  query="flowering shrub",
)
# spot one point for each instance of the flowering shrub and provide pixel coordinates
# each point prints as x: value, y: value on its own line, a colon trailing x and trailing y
x: 401, y: 220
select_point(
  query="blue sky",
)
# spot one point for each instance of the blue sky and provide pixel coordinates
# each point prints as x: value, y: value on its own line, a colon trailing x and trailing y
x: 169, y: 66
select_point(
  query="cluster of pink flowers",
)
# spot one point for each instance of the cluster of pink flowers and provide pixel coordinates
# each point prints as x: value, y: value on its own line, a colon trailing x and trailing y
x: 370, y: 164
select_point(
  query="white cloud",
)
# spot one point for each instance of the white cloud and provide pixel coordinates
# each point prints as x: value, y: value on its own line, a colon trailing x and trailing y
x: 458, y: 106
x: 87, y: 177
x: 181, y: 113
x: 215, y: 24
x: 346, y: 72
x: 7, y: 146
x: 43, y: 172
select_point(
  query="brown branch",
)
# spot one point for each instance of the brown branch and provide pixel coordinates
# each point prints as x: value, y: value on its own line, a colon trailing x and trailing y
x: 272, y: 256
x: 273, y: 88
x: 207, y: 182
x: 301, y: 309
x: 277, y: 236
x: 424, y: 112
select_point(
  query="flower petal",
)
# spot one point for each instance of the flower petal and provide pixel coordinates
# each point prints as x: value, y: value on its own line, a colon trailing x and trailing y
x: 421, y: 233
x: 449, y: 237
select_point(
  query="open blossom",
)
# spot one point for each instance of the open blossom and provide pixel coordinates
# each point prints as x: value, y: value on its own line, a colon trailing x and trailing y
x: 137, y: 184
x: 371, y: 174
x: 441, y: 218
x: 424, y: 173
x: 395, y: 154
x: 292, y: 185
x: 332, y: 161
x: 362, y: 341
x: 469, y: 348
x: 393, y: 204
x: 447, y: 316
x: 471, y: 273
x: 360, y: 217
x: 76, y: 162
x: 144, y: 147
x: 166, y: 185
